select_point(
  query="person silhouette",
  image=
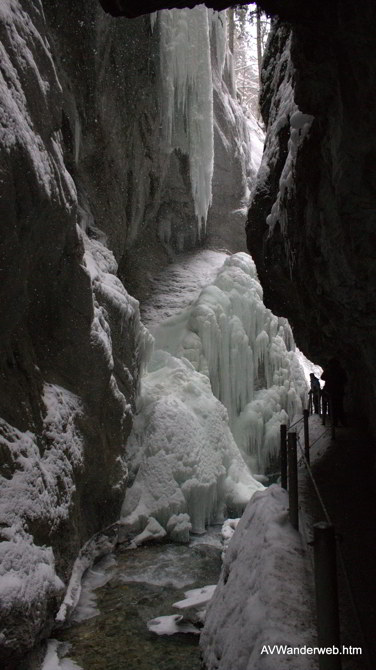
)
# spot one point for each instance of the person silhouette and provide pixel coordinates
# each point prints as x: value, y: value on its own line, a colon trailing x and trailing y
x: 315, y: 392
x: 335, y: 379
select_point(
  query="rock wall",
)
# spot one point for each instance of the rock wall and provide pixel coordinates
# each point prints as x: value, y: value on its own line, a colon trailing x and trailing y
x: 311, y: 221
x: 85, y: 185
x: 70, y: 344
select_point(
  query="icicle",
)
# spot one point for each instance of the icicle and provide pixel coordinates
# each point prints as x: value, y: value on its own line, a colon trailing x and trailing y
x: 187, y: 97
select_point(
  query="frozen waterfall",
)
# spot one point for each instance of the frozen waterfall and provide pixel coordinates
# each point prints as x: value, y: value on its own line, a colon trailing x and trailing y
x: 186, y: 91
x: 223, y: 377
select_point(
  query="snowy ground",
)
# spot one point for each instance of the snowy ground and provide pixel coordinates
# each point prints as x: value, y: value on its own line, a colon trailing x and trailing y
x: 265, y: 592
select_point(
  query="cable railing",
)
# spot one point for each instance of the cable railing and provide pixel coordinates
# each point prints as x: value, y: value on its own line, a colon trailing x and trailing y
x: 326, y: 545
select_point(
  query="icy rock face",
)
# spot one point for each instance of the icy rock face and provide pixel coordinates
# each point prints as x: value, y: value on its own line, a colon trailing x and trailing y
x: 254, y: 604
x: 312, y: 216
x: 238, y: 144
x: 70, y: 344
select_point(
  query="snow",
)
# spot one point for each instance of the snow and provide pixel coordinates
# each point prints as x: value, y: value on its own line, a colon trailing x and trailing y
x: 41, y: 487
x: 194, y: 601
x: 93, y: 579
x: 17, y: 119
x: 257, y: 140
x: 255, y: 603
x: 170, y: 625
x: 196, y: 597
x: 43, y: 468
x: 54, y: 658
x: 110, y: 296
x: 100, y: 544
x: 152, y: 531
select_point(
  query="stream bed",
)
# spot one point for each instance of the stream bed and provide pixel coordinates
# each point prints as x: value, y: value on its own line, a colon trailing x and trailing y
x: 125, y: 591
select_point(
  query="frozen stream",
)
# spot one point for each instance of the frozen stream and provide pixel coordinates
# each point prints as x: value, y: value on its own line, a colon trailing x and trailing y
x: 122, y: 593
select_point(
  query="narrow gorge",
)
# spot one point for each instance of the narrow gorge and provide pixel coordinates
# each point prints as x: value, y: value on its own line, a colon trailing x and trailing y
x: 146, y: 361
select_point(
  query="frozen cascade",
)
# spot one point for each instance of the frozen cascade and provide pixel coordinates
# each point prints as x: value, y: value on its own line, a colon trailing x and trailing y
x: 186, y: 94
x: 227, y: 351
x: 248, y: 354
x: 185, y: 465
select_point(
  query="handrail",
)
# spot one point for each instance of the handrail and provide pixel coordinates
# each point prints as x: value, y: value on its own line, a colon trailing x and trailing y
x: 296, y: 423
x: 339, y: 551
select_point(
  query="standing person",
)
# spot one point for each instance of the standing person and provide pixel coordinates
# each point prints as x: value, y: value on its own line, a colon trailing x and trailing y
x: 335, y: 379
x: 315, y: 392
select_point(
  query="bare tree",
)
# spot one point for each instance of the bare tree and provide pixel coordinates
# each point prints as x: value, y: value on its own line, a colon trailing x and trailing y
x: 250, y: 28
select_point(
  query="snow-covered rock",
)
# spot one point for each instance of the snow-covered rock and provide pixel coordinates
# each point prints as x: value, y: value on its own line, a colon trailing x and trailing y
x: 263, y: 596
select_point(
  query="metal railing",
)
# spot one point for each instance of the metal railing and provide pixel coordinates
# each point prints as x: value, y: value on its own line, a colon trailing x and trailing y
x: 325, y: 543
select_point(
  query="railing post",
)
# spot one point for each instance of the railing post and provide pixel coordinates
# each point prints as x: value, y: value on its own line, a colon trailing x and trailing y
x: 293, y: 480
x: 306, y: 434
x: 324, y: 402
x: 283, y: 456
x: 326, y: 594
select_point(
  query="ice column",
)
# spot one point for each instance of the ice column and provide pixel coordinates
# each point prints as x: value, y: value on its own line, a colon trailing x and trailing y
x: 186, y: 93
x: 248, y: 354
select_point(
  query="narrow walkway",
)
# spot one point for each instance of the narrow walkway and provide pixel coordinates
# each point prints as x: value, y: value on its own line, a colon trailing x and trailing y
x: 344, y: 470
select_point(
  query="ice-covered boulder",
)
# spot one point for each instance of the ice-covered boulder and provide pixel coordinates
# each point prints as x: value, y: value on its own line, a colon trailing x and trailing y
x: 184, y: 463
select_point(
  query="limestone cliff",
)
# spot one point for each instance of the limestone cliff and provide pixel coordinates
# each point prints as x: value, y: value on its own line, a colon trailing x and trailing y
x: 87, y: 182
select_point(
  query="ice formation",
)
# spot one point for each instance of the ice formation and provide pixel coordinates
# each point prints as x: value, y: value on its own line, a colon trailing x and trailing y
x: 248, y: 355
x: 183, y: 459
x: 224, y: 362
x: 187, y: 96
x: 193, y: 50
x: 254, y: 604
x: 201, y: 120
